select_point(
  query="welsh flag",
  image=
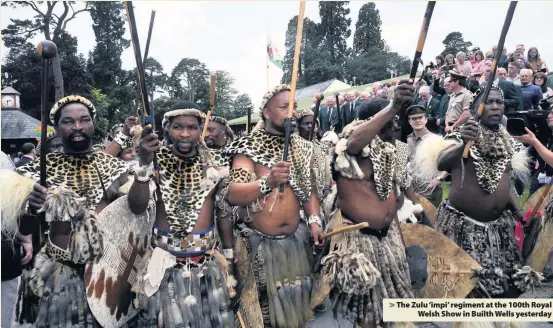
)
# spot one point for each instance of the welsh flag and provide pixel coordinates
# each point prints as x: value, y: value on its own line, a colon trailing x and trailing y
x: 274, y: 54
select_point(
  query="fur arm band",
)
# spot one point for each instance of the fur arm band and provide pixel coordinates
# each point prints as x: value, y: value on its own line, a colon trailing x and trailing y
x: 425, y: 163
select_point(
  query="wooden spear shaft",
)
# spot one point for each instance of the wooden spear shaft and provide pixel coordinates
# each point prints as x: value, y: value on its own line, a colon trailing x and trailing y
x: 291, y: 101
x: 491, y: 77
x: 211, y: 103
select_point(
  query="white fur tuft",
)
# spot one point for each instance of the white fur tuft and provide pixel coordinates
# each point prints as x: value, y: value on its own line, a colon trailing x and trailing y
x: 331, y: 137
x: 190, y: 300
x: 418, y: 209
x: 520, y: 168
x: 231, y: 282
x: 14, y: 190
x: 405, y: 213
x: 425, y: 163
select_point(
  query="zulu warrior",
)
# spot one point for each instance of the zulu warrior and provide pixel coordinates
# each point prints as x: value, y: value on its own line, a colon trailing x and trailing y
x: 219, y: 135
x: 480, y: 213
x: 186, y: 281
x: 321, y: 159
x: 365, y: 266
x: 123, y: 139
x: 80, y: 183
x: 277, y: 275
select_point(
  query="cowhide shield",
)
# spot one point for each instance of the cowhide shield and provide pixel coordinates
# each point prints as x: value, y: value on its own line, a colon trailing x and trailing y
x: 321, y: 286
x: 449, y: 266
x: 249, y: 297
x: 535, y: 197
x: 110, y: 278
x: 429, y: 209
x: 544, y: 244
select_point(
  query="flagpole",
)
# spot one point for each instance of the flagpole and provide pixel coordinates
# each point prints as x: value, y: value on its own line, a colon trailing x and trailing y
x: 267, y: 59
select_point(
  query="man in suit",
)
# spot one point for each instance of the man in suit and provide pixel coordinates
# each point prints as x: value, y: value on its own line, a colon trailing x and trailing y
x: 324, y: 116
x: 338, y: 116
x: 29, y: 154
x: 334, y: 116
x: 512, y: 101
x: 431, y: 106
x: 349, y: 108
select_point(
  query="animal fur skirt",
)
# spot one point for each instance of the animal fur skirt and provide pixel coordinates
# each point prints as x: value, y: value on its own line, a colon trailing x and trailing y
x: 491, y: 244
x: 282, y: 272
x: 53, y: 294
x: 363, y: 269
x: 191, y: 296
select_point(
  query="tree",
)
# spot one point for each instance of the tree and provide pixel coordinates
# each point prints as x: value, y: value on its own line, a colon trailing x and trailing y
x: 368, y: 33
x: 335, y: 29
x: 241, y: 105
x: 191, y: 77
x: 47, y: 22
x: 397, y: 63
x: 224, y: 94
x: 368, y: 67
x: 310, y: 49
x: 23, y: 67
x: 101, y: 124
x: 22, y: 70
x: 454, y: 43
x: 376, y: 64
x: 155, y: 77
x: 104, y: 61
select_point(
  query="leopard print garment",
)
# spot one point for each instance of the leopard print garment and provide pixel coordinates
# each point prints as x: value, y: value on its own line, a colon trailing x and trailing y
x: 218, y: 157
x: 321, y: 169
x: 181, y: 190
x: 267, y: 149
x: 79, y: 174
x: 381, y: 153
x: 402, y: 175
x: 491, y: 152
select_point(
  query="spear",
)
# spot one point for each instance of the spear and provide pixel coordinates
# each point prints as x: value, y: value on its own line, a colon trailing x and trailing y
x: 47, y: 50
x: 491, y: 78
x: 416, y: 60
x: 152, y: 18
x: 291, y: 101
x: 139, y: 63
x: 211, y: 103
x: 489, y: 84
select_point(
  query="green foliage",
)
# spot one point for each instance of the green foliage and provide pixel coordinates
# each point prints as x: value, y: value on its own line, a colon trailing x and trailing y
x: 241, y: 105
x: 454, y: 43
x: 104, y: 62
x: 367, y: 30
x: 335, y: 29
x: 101, y: 125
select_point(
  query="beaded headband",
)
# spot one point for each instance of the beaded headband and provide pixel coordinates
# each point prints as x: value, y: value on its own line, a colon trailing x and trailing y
x: 71, y: 100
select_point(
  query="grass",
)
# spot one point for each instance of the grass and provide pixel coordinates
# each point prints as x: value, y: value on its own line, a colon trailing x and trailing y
x: 521, y: 200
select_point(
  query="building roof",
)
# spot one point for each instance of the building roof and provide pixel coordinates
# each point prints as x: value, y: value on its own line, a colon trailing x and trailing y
x: 244, y: 119
x: 10, y: 90
x: 18, y: 125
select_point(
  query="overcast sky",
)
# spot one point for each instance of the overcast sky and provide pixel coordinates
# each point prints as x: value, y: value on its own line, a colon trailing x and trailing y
x: 231, y: 35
